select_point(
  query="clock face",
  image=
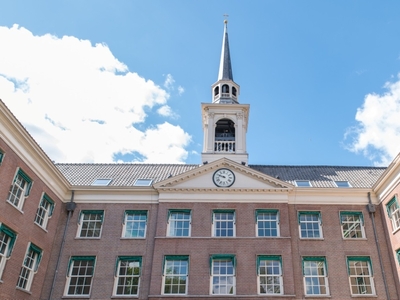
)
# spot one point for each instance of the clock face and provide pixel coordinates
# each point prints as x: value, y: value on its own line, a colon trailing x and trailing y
x: 223, y: 178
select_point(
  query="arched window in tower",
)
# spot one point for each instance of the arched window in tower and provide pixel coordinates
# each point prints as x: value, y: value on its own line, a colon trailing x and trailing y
x: 225, y: 136
x: 234, y: 91
x: 216, y: 91
x: 225, y: 89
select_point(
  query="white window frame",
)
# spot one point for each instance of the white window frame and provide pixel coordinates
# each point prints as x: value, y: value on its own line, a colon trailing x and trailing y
x: 134, y: 224
x: 178, y: 223
x: 7, y: 240
x: 175, y: 268
x: 308, y: 225
x: 217, y: 277
x: 76, y: 262
x: 270, y: 277
x: 19, y: 189
x: 352, y: 224
x: 393, y: 210
x: 126, y: 280
x: 315, y: 276
x: 217, y: 225
x: 270, y: 221
x: 44, y: 211
x: 29, y: 267
x: 360, y: 281
x: 87, y: 224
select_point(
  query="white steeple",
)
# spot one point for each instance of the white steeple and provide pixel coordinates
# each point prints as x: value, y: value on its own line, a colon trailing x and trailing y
x: 225, y: 120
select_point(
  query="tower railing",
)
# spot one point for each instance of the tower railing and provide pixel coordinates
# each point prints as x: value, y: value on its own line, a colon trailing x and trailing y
x: 224, y: 146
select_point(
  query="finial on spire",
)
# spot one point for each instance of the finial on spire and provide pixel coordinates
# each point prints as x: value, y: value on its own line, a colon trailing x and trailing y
x: 226, y: 19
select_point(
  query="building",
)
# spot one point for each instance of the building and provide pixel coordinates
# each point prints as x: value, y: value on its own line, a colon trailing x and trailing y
x: 217, y: 230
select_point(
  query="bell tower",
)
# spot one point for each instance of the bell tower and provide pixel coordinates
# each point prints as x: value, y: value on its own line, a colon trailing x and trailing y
x: 225, y: 120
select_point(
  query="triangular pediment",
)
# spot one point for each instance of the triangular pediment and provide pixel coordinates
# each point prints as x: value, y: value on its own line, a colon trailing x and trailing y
x: 201, y: 179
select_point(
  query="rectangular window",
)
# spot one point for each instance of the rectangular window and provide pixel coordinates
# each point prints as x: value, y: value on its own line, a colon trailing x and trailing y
x: 303, y: 183
x: 20, y: 189
x: 1, y: 156
x: 223, y: 223
x: 360, y: 275
x: 310, y: 224
x: 223, y: 281
x: 135, y: 223
x: 342, y: 184
x: 127, y: 275
x: 352, y: 224
x: 175, y: 274
x: 393, y: 210
x: 267, y: 222
x: 143, y: 182
x: 44, y: 211
x: 7, y: 240
x: 101, y: 182
x: 179, y: 222
x: 29, y: 267
x: 398, y: 256
x: 315, y: 276
x: 80, y: 275
x: 269, y: 270
x: 90, y: 223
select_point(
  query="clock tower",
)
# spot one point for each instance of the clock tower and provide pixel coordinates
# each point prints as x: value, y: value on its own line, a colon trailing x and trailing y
x: 224, y: 119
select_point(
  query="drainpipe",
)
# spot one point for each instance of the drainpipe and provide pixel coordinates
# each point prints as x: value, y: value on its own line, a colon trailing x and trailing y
x: 371, y: 209
x: 70, y: 209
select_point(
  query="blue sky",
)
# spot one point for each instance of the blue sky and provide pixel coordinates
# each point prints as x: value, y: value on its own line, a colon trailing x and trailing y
x: 102, y: 81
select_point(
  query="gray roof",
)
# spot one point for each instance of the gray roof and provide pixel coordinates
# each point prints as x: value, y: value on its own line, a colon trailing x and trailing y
x: 126, y: 174
x: 324, y: 176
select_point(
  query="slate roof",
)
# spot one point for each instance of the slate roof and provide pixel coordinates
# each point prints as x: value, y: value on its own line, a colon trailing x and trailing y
x: 126, y: 174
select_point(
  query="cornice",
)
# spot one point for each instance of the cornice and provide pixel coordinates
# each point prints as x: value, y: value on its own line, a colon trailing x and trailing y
x: 388, y: 180
x: 169, y: 183
x: 22, y: 143
x: 219, y: 190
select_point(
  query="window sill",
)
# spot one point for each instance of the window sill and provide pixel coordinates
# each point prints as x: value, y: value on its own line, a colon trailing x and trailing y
x: 355, y: 239
x: 132, y: 238
x: 76, y: 297
x: 22, y: 290
x: 317, y: 296
x: 364, y: 296
x: 87, y: 238
x: 124, y: 297
x: 44, y: 229
x: 396, y: 230
x: 312, y: 239
x: 17, y: 208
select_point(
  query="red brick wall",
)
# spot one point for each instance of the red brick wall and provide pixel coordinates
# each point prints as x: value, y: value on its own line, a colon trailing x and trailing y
x: 23, y: 224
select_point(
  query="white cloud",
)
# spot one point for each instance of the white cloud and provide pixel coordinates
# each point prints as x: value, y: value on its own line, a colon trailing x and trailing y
x: 79, y: 102
x: 377, y: 134
x: 181, y: 90
x: 169, y: 82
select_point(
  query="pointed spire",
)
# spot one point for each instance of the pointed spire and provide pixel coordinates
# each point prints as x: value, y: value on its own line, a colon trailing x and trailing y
x: 225, y: 66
